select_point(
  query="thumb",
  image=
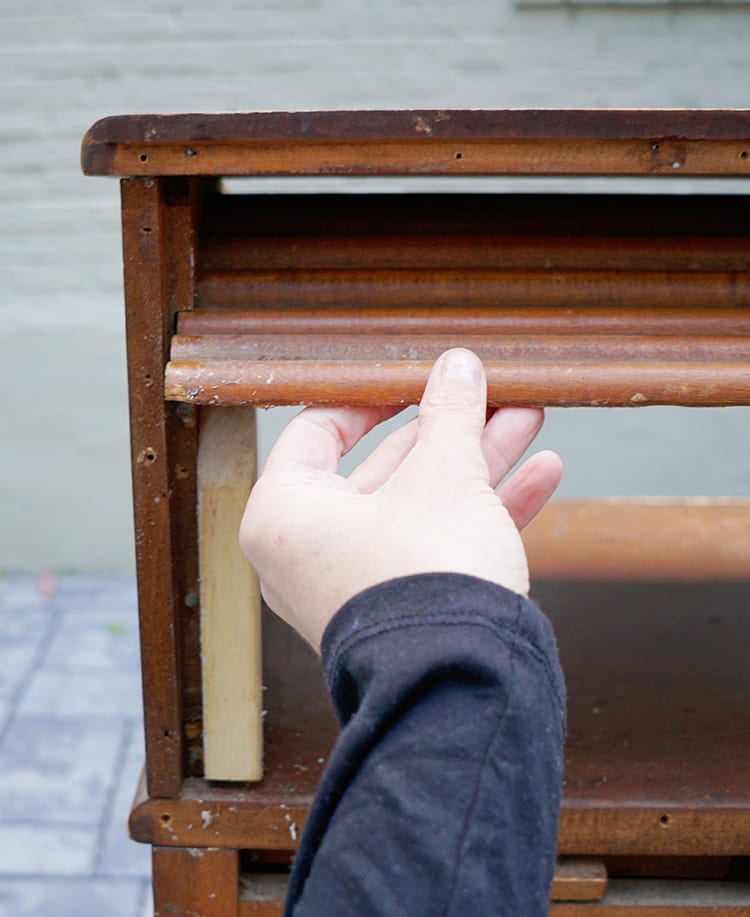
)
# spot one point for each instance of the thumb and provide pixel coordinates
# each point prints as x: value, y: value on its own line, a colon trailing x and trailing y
x: 452, y: 412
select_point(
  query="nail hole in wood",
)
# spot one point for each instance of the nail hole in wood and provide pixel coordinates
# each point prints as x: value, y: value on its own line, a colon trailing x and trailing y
x: 743, y: 154
x: 664, y: 820
x: 147, y: 229
x: 143, y: 157
x: 459, y: 155
x: 166, y: 818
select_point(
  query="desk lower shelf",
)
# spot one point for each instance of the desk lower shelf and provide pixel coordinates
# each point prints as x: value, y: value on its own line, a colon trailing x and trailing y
x: 658, y: 733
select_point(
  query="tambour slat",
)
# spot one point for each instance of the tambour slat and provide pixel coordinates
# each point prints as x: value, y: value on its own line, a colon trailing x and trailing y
x: 460, y: 320
x: 472, y: 251
x: 561, y: 349
x: 402, y: 382
x: 409, y: 288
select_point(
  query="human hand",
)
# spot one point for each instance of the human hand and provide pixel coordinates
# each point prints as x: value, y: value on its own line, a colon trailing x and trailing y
x: 422, y: 502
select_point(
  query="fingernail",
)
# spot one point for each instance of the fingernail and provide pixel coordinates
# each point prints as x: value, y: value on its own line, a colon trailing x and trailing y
x: 461, y: 366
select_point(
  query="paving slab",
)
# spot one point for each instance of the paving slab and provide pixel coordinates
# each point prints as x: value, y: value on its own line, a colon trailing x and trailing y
x: 59, y: 770
x: 104, y: 638
x: 63, y: 691
x: 119, y: 856
x: 47, y: 850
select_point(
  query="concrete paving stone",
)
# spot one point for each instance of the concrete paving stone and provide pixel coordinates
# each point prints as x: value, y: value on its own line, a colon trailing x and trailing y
x: 67, y: 692
x: 119, y: 855
x: 21, y: 591
x: 59, y: 770
x: 15, y: 661
x: 98, y: 592
x: 71, y: 898
x: 107, y: 639
x: 34, y: 850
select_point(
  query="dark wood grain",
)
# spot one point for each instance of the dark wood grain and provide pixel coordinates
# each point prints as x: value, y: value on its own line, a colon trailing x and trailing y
x: 422, y: 142
x: 158, y: 234
x: 196, y: 882
x: 657, y: 681
x: 626, y: 384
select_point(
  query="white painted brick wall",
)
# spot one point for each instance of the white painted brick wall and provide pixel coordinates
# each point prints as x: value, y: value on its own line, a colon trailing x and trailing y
x: 64, y: 482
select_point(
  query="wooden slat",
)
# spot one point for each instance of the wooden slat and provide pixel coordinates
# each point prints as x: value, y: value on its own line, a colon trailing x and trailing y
x: 473, y: 251
x: 659, y: 898
x: 477, y: 288
x: 428, y: 142
x: 460, y: 320
x: 628, y: 384
x: 230, y: 600
x: 562, y: 349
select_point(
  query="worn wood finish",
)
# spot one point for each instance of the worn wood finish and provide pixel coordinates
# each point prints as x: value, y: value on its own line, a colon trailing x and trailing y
x: 647, y: 540
x: 657, y: 682
x: 460, y: 321
x: 514, y: 289
x: 472, y: 251
x: 158, y: 240
x: 195, y: 881
x: 422, y: 142
x: 230, y: 600
x: 564, y: 349
x: 626, y: 384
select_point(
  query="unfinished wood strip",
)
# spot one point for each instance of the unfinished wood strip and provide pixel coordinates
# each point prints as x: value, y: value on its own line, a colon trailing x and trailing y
x: 692, y: 539
x: 230, y: 600
x: 473, y: 251
x: 518, y: 289
x: 579, y: 879
x: 338, y: 382
x: 562, y: 349
x: 460, y: 320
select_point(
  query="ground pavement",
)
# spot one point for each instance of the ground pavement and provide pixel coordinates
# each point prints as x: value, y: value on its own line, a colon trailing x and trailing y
x: 71, y: 748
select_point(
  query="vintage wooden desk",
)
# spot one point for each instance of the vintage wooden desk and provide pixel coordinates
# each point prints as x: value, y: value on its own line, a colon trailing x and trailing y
x: 237, y: 300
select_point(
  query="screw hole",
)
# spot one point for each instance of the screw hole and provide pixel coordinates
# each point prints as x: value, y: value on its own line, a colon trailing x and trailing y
x: 143, y: 157
x: 743, y: 154
x: 655, y: 147
x: 147, y: 229
x: 166, y: 818
x: 664, y: 820
x: 459, y: 155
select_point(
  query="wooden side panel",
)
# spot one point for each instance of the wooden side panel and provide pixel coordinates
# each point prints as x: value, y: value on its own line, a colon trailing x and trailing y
x: 195, y: 881
x: 611, y: 540
x: 230, y: 599
x: 158, y: 242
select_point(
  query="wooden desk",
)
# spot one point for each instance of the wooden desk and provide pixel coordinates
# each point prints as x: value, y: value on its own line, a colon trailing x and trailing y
x: 238, y: 300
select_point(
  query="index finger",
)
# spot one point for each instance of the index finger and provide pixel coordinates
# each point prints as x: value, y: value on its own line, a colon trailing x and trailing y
x: 317, y: 438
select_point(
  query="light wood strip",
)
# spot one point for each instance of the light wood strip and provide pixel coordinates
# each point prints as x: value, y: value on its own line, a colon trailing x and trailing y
x: 230, y: 600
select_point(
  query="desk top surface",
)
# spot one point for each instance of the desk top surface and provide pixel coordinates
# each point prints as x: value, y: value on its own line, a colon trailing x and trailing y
x: 426, y: 142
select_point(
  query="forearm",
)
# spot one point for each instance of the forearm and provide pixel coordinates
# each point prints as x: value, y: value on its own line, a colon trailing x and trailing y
x: 442, y: 794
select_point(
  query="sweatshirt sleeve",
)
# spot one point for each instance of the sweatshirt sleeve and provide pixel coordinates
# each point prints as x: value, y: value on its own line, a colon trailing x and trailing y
x: 443, y: 790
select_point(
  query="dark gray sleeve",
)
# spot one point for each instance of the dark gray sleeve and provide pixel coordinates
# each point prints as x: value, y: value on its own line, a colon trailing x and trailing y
x: 442, y: 793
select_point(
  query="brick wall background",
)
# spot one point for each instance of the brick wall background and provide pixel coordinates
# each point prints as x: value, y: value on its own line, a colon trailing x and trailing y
x: 64, y: 477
